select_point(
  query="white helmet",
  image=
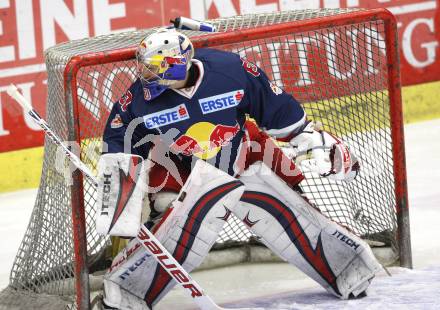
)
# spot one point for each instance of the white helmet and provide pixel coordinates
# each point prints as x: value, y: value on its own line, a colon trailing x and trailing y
x: 163, y: 58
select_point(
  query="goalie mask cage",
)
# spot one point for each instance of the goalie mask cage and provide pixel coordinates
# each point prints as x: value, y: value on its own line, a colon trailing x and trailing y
x: 341, y: 64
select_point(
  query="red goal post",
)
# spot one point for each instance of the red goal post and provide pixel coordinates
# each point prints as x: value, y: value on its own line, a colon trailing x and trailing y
x: 342, y: 65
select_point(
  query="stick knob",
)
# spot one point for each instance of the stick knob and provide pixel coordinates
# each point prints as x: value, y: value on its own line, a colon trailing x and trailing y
x: 15, y: 94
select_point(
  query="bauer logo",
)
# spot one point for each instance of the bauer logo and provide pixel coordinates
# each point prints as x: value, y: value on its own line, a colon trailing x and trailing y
x: 166, y: 117
x: 221, y: 102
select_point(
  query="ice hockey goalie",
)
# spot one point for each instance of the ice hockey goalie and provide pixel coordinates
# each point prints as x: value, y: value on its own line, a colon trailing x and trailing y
x: 186, y: 115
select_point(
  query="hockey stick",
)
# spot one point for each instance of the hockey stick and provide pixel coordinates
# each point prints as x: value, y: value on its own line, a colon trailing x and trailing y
x: 145, y: 237
x: 15, y: 94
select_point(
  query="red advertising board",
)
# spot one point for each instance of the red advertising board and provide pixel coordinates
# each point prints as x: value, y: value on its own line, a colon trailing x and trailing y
x: 27, y: 27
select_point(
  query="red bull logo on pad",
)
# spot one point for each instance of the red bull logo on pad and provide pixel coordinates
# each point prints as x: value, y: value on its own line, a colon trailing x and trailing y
x: 205, y: 139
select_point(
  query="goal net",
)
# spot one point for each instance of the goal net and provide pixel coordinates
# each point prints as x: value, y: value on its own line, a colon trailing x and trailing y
x: 342, y: 65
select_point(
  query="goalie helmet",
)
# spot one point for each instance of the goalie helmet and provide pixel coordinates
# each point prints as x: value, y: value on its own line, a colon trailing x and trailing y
x: 163, y: 58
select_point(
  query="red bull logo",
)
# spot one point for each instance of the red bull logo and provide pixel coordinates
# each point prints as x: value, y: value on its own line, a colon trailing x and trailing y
x: 175, y: 60
x: 205, y: 139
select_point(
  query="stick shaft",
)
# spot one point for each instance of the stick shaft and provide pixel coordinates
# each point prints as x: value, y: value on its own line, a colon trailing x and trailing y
x: 175, y: 270
x: 24, y: 103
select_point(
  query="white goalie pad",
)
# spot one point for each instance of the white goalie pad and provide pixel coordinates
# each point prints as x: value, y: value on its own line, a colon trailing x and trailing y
x: 337, y: 259
x: 188, y: 230
x: 121, y: 179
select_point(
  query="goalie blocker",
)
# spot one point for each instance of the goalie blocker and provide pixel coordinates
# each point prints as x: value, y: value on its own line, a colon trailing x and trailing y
x: 121, y: 183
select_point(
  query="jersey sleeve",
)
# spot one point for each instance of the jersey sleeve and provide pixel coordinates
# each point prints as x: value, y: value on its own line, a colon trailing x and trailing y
x: 116, y: 137
x: 274, y: 110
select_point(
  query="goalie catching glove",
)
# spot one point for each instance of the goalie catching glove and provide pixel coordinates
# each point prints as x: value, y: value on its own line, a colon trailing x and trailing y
x: 120, y: 194
x: 331, y: 157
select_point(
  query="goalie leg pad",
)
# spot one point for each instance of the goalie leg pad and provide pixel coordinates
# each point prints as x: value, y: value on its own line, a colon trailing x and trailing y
x: 335, y: 258
x: 188, y: 230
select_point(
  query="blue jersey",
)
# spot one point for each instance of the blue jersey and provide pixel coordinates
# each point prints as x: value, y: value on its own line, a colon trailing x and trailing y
x: 206, y: 121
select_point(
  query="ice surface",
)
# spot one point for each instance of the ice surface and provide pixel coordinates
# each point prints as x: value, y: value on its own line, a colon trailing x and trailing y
x: 405, y: 289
